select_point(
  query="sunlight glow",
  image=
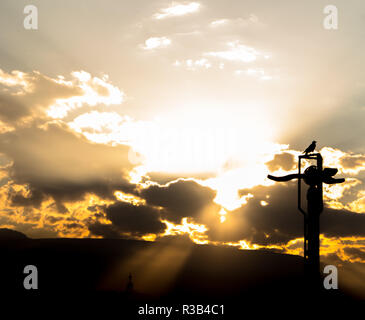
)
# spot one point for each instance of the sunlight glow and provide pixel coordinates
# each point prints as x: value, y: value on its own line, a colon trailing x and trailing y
x: 330, y: 246
x: 223, y: 214
x: 212, y: 147
x: 195, y: 231
x: 149, y: 237
x: 129, y: 198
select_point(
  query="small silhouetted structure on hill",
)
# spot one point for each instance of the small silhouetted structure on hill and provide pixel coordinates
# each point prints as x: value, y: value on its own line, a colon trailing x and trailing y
x: 129, y: 288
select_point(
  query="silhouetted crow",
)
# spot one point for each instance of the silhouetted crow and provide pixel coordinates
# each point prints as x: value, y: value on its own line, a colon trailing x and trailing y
x: 311, y: 148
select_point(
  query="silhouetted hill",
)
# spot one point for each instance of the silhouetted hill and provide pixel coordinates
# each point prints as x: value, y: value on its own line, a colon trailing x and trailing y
x: 171, y: 271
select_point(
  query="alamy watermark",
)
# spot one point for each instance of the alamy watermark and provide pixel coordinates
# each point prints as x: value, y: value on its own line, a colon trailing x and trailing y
x: 31, y: 280
x: 31, y: 19
x: 330, y: 21
x: 331, y: 280
x: 184, y: 146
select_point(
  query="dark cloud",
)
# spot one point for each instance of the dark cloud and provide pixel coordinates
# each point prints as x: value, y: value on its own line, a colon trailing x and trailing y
x: 128, y: 218
x: 53, y: 219
x: 35, y: 199
x: 181, y: 198
x: 275, y: 223
x: 280, y: 221
x: 73, y: 225
x: 283, y: 160
x: 53, y: 161
x: 174, y: 201
x: 342, y: 223
x: 136, y: 219
x: 107, y: 231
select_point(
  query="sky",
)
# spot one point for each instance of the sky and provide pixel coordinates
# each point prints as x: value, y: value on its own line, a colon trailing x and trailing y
x: 146, y: 119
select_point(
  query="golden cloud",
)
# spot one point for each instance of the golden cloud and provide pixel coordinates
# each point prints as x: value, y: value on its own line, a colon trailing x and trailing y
x: 27, y: 95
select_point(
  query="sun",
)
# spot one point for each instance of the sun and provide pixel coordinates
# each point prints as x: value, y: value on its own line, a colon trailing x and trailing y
x: 231, y: 152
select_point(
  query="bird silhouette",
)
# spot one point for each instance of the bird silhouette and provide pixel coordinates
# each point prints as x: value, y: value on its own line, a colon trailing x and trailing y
x: 311, y: 148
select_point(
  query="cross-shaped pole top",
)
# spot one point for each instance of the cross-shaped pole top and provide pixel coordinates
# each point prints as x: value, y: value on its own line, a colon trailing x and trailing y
x: 314, y: 176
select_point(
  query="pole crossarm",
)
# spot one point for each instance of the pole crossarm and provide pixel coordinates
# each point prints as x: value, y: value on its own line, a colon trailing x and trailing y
x: 285, y: 178
x: 324, y: 177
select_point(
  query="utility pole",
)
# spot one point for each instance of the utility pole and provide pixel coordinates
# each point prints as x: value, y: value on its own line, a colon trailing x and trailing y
x: 314, y: 176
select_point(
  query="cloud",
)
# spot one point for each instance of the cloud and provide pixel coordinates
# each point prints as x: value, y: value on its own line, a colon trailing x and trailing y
x: 94, y: 91
x: 179, y: 199
x: 258, y: 73
x: 47, y: 157
x: 161, y: 211
x: 14, y: 79
x: 277, y: 221
x: 54, y: 161
x: 126, y: 218
x: 237, y: 52
x: 283, y: 161
x: 219, y: 22
x: 156, y: 42
x: 239, y: 22
x: 104, y: 127
x: 355, y: 254
x: 24, y: 96
x: 347, y: 162
x: 190, y: 64
x: 353, y: 163
x: 358, y: 205
x: 28, y: 94
x: 177, y: 9
x: 342, y: 223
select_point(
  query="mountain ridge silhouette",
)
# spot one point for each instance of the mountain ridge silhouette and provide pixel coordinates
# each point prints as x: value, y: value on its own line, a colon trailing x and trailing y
x: 91, y: 275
